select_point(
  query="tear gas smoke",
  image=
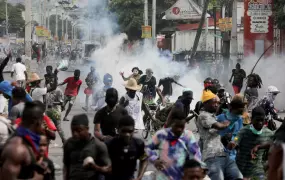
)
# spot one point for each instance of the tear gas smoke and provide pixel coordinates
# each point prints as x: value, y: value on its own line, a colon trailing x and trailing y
x: 111, y: 58
x: 271, y: 71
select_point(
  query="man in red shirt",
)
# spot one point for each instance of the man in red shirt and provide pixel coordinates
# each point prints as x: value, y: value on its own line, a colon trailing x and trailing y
x: 71, y: 91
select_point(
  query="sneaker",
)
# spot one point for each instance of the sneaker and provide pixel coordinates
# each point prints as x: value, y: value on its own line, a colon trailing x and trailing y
x: 65, y: 119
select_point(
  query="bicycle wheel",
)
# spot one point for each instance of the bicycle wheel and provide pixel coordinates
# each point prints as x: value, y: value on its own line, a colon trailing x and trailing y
x: 146, y: 131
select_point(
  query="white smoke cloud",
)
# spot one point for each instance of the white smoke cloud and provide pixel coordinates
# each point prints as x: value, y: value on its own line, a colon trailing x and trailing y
x: 271, y: 71
x: 112, y: 59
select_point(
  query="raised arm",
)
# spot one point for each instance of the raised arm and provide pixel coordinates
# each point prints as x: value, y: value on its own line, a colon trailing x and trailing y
x: 54, y: 85
x: 5, y: 62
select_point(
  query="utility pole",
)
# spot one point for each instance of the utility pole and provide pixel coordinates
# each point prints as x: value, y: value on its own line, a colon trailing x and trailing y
x: 199, y: 30
x: 7, y: 19
x: 28, y: 32
x: 66, y: 27
x: 215, y: 31
x: 146, y: 12
x: 56, y: 23
x: 154, y: 21
x: 234, y: 41
x: 62, y: 26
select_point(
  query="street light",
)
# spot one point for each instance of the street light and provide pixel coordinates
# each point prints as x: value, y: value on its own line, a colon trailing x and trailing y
x: 56, y: 19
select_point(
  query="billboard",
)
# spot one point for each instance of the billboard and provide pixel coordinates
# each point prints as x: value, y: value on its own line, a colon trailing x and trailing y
x: 183, y: 9
x: 258, y: 27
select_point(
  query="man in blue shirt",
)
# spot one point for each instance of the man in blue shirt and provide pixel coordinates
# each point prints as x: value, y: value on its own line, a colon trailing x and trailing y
x: 6, y: 88
x: 234, y: 115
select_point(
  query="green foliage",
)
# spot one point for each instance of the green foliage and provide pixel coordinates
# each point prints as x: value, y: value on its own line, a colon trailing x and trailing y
x: 129, y: 15
x: 279, y: 15
x: 16, y: 21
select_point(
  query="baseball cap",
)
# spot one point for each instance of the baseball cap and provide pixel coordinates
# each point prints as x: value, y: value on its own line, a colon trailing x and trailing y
x: 6, y: 88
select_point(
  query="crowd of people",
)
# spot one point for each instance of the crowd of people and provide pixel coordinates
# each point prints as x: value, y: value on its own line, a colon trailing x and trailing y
x: 236, y: 133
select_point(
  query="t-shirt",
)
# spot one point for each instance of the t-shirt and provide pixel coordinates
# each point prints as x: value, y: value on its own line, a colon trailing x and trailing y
x: 49, y: 79
x: 19, y: 70
x: 38, y: 93
x: 75, y: 151
x: 209, y: 137
x: 124, y: 161
x: 246, y: 141
x: 134, y: 109
x: 3, y: 105
x: 167, y: 85
x: 16, y: 111
x: 72, y: 86
x: 4, y: 131
x: 239, y: 75
x: 109, y: 120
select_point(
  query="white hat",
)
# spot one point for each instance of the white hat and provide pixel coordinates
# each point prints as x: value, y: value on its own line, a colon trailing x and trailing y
x: 273, y: 89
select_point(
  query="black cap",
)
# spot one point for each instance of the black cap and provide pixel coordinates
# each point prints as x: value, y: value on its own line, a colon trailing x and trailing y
x: 80, y: 119
x: 188, y: 93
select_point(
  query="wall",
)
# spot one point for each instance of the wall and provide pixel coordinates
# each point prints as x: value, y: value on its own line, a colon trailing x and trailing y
x: 184, y: 40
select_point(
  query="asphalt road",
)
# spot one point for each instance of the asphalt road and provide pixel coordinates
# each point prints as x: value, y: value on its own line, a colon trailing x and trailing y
x: 55, y: 151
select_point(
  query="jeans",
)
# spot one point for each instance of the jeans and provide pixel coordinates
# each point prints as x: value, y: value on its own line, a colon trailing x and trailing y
x: 223, y: 168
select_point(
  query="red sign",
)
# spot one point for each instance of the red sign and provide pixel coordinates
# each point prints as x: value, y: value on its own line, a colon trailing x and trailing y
x: 258, y: 27
x: 176, y: 10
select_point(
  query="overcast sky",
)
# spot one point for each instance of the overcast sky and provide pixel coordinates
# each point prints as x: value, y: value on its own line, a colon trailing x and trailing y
x: 16, y: 1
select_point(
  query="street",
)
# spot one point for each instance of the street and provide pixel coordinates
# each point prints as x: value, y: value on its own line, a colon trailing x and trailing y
x: 55, y: 150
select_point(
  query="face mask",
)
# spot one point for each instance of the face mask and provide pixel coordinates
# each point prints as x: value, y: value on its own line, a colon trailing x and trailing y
x: 131, y: 94
x: 111, y: 102
x: 186, y: 101
x: 254, y: 131
x: 149, y: 75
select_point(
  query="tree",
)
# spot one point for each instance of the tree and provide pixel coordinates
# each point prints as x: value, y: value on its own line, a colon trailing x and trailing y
x: 15, y: 19
x: 199, y: 30
x: 129, y: 15
x: 279, y: 15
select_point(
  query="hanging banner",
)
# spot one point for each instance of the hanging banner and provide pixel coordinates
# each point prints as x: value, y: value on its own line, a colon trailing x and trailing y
x: 184, y: 9
x: 39, y: 30
x: 146, y: 32
x: 42, y: 32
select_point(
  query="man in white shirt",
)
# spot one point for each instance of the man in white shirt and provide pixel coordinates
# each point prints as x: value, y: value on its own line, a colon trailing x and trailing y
x: 21, y: 72
x: 36, y: 91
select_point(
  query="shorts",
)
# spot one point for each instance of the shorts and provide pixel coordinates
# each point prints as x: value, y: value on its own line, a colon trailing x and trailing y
x: 71, y: 99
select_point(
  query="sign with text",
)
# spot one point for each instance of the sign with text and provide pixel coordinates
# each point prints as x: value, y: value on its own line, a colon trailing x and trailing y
x: 42, y: 31
x: 225, y: 24
x: 184, y: 9
x: 146, y: 32
x: 258, y: 25
x: 259, y: 12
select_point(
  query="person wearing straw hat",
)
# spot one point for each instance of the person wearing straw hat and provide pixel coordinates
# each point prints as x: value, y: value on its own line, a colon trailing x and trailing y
x: 132, y: 101
x: 37, y: 92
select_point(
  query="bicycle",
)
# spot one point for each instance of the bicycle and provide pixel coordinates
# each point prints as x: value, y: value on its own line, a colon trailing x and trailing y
x: 151, y: 123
